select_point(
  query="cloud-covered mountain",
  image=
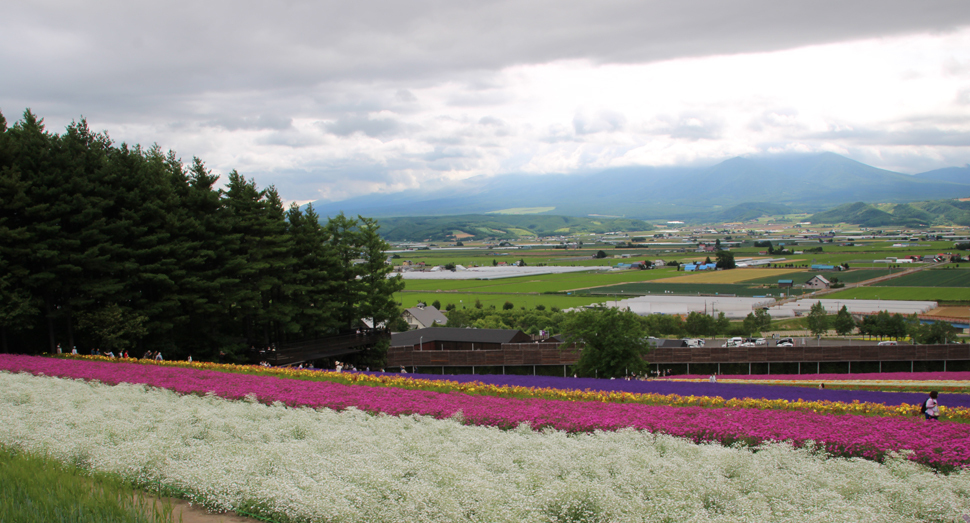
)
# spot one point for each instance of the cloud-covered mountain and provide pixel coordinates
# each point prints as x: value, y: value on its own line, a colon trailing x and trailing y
x: 803, y: 182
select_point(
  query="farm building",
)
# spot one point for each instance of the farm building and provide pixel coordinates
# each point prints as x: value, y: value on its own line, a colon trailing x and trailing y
x: 786, y: 284
x: 820, y: 267
x: 699, y: 267
x: 818, y: 282
x: 445, y: 338
x: 423, y: 316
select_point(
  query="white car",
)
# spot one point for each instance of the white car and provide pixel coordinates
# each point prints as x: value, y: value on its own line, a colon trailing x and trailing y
x: 785, y: 344
x: 887, y: 343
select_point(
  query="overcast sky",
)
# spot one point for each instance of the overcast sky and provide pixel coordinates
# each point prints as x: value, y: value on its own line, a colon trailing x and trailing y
x: 328, y: 99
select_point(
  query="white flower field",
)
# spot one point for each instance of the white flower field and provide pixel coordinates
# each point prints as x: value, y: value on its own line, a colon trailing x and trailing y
x: 308, y: 465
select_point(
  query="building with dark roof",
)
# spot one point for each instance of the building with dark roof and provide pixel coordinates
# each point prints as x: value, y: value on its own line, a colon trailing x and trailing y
x: 445, y: 338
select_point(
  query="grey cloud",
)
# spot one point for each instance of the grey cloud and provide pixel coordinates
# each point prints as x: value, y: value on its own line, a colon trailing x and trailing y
x: 405, y: 96
x: 261, y: 122
x: 233, y: 44
x: 373, y: 127
x: 124, y: 61
x: 289, y: 138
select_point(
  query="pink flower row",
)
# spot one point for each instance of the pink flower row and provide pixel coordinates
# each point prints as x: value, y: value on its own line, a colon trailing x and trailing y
x: 939, y: 444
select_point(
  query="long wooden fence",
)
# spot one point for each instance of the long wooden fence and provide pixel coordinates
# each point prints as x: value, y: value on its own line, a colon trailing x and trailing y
x: 685, y: 359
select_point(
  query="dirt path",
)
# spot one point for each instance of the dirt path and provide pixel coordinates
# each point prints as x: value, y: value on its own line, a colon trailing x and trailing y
x: 184, y: 512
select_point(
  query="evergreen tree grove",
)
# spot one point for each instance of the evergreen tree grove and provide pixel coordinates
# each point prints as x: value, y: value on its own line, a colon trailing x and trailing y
x: 112, y: 246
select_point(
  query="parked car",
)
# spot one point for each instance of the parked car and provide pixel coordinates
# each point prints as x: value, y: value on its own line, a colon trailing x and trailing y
x: 733, y: 342
x: 694, y: 342
x: 760, y: 342
x: 888, y: 343
x: 785, y: 342
x: 747, y: 344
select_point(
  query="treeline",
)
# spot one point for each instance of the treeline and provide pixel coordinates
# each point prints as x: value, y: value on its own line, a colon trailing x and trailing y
x: 553, y: 321
x: 112, y: 246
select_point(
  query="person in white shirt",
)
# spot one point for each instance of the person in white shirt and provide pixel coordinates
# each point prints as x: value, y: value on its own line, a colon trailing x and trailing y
x: 932, y: 411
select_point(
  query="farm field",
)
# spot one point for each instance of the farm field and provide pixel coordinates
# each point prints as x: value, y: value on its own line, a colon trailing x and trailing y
x: 931, y: 278
x: 904, y: 293
x: 279, y: 447
x: 950, y: 312
x: 466, y: 300
x: 730, y: 276
x: 690, y: 288
x: 542, y: 283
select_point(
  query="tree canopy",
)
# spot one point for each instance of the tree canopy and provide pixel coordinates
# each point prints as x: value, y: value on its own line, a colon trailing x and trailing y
x: 614, y: 342
x: 818, y: 320
x: 106, y: 245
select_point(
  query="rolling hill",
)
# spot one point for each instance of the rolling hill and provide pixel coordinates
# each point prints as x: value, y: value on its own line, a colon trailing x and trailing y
x: 916, y: 214
x: 477, y: 227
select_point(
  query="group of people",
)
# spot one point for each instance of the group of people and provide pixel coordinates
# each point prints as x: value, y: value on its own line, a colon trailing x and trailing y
x: 153, y: 355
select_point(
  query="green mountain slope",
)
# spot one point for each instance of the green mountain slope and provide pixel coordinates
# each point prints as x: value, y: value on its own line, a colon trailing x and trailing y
x: 477, y: 227
x: 916, y: 214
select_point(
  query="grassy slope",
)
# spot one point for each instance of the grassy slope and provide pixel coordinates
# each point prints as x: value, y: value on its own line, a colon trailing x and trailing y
x: 37, y: 489
x: 904, y: 293
x: 932, y: 278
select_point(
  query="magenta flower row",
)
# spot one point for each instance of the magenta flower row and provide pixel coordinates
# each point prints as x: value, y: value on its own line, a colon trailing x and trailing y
x: 939, y: 444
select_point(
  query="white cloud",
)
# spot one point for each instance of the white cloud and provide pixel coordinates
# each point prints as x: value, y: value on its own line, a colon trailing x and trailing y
x: 331, y: 101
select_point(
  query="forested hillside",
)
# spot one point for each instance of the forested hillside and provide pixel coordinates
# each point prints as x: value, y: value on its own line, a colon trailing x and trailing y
x: 511, y: 226
x: 112, y: 246
x: 916, y: 214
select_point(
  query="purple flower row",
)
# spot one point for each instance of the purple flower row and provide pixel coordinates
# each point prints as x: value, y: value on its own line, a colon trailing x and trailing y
x: 940, y: 444
x: 896, y: 376
x: 724, y: 390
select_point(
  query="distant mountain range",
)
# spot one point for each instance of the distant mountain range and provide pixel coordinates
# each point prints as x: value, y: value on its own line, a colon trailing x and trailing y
x: 792, y: 183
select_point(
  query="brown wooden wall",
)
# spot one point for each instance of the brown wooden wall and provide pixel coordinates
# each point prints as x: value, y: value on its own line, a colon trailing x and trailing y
x: 549, y: 354
x: 508, y: 354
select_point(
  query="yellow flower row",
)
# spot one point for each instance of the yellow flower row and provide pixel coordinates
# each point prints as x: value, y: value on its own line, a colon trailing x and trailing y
x: 961, y: 414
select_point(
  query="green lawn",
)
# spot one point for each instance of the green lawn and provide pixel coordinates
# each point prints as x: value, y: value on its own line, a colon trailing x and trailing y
x: 541, y: 283
x: 851, y: 276
x: 931, y: 278
x: 855, y: 276
x: 904, y: 293
x: 464, y: 300
x: 638, y: 289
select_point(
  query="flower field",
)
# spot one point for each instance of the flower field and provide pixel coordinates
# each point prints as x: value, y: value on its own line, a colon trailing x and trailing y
x: 871, y: 437
x: 670, y: 392
x: 301, y: 464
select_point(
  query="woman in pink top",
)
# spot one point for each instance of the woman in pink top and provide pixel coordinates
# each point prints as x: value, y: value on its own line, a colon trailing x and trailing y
x: 932, y: 410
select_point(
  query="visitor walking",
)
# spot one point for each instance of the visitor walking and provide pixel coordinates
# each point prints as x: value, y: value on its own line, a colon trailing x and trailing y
x: 931, y: 407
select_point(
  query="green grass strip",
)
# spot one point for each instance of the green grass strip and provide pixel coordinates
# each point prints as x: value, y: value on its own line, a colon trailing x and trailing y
x: 35, y: 489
